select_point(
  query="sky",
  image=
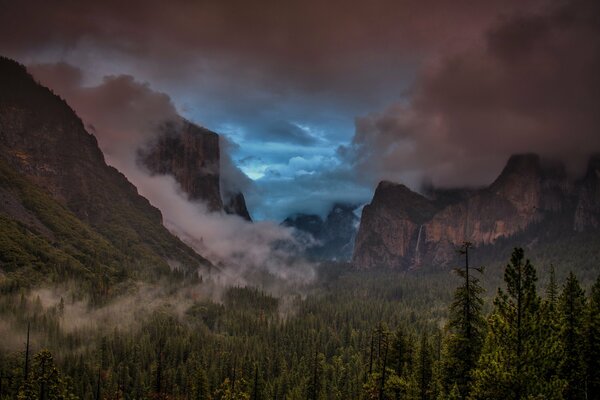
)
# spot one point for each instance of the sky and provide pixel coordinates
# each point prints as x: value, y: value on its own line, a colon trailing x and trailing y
x: 319, y: 101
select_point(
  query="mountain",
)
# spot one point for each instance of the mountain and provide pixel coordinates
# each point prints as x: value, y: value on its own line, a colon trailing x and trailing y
x: 328, y: 239
x: 58, y: 193
x: 191, y: 154
x: 531, y: 197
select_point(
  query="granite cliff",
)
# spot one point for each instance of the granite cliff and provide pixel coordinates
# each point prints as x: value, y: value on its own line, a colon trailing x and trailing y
x: 191, y: 154
x: 404, y: 230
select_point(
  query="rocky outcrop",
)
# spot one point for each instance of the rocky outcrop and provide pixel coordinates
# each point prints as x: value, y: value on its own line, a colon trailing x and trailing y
x: 43, y: 140
x: 587, y: 211
x: 191, y: 154
x: 331, y: 238
x: 236, y: 205
x: 390, y: 226
x: 402, y: 229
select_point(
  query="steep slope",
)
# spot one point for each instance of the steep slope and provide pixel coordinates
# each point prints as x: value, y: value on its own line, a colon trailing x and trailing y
x: 587, y: 212
x: 529, y: 193
x: 45, y: 143
x: 191, y: 155
x: 390, y: 228
x: 237, y: 205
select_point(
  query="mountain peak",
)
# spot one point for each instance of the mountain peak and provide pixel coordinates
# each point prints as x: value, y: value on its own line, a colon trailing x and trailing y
x: 593, y: 167
x: 521, y: 163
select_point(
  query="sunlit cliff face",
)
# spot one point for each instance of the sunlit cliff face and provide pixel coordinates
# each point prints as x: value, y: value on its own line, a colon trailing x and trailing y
x: 321, y: 101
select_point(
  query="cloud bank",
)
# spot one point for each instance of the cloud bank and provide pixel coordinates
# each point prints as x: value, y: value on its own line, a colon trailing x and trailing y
x: 125, y: 115
x: 532, y: 84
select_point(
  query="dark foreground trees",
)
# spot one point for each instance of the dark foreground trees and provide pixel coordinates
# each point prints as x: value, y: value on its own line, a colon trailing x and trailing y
x: 466, y: 331
x: 514, y: 361
x: 367, y: 336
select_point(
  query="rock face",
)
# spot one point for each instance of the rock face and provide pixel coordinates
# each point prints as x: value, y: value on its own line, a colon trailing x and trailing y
x: 237, y: 205
x: 587, y: 212
x: 402, y: 229
x: 390, y: 226
x: 331, y: 238
x: 42, y: 140
x: 191, y: 155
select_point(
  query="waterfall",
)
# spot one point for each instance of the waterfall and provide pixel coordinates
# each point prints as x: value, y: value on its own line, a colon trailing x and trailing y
x: 418, y: 242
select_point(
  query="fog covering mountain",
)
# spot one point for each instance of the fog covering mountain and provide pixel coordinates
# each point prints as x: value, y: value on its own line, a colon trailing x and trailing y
x: 64, y: 210
x: 331, y: 238
x: 533, y: 202
x: 191, y: 154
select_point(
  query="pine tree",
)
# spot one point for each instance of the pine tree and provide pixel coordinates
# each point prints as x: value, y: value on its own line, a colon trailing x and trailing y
x: 424, y: 369
x: 572, y: 304
x: 45, y: 381
x: 592, y: 349
x: 201, y: 390
x: 512, y: 365
x: 401, y: 353
x: 550, y: 322
x: 466, y: 329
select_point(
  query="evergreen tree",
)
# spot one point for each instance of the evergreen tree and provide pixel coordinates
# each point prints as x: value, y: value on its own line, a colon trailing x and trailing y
x: 512, y: 365
x: 201, y: 390
x: 424, y: 369
x: 572, y: 304
x: 593, y: 343
x: 550, y: 325
x: 401, y: 353
x: 45, y: 382
x: 466, y: 329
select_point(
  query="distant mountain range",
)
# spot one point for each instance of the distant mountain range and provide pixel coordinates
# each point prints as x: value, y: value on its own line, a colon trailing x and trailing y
x: 331, y: 238
x: 65, y: 212
x: 533, y: 202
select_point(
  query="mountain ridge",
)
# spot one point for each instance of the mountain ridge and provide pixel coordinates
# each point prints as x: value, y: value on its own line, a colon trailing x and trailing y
x: 44, y: 143
x: 395, y: 232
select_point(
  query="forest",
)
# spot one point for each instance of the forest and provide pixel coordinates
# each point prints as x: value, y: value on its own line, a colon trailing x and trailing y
x: 349, y: 335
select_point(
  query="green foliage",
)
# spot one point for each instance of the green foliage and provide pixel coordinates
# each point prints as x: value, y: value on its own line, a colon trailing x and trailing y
x: 572, y: 304
x: 592, y: 348
x: 513, y: 364
x: 251, y: 345
x: 45, y: 382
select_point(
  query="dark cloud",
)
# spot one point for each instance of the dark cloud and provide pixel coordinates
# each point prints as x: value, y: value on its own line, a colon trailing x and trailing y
x: 460, y: 84
x: 531, y: 85
x: 125, y: 115
x: 308, y: 45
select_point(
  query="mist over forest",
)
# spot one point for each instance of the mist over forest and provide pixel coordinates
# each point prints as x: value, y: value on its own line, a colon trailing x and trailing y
x: 300, y: 200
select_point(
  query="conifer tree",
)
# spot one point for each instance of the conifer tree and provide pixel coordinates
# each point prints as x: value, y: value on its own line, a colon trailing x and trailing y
x: 466, y: 329
x: 45, y: 381
x: 572, y: 305
x: 424, y: 369
x: 512, y: 365
x: 592, y: 349
x: 401, y: 353
x: 550, y: 322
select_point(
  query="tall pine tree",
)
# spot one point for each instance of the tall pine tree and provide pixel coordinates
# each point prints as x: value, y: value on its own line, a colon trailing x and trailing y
x: 572, y: 307
x: 512, y: 365
x: 593, y: 343
x: 466, y: 328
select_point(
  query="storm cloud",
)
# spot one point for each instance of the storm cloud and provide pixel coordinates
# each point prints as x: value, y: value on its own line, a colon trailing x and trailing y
x: 532, y: 84
x: 321, y: 100
x: 125, y: 115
